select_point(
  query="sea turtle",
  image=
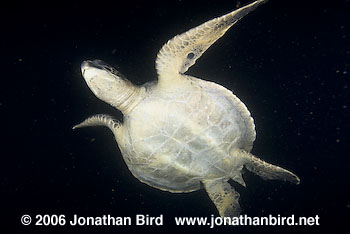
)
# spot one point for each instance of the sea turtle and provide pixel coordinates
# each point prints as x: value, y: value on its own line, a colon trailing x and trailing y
x: 180, y: 131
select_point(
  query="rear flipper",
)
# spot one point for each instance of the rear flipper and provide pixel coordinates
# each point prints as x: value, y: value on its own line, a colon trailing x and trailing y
x: 224, y: 197
x: 266, y: 170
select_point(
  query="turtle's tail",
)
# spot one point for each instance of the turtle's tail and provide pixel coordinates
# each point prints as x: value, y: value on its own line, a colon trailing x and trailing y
x: 100, y: 120
x: 266, y: 170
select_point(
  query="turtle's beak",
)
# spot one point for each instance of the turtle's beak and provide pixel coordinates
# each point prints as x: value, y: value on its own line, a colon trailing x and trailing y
x: 84, y: 66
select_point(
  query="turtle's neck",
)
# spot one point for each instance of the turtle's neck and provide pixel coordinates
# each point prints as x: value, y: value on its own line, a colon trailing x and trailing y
x: 131, y: 96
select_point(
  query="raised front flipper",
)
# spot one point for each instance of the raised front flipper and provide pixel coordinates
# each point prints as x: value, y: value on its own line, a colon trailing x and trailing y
x: 224, y: 197
x: 182, y: 51
x: 266, y: 170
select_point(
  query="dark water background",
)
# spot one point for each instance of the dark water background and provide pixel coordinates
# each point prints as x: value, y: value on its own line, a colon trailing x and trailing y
x: 288, y: 61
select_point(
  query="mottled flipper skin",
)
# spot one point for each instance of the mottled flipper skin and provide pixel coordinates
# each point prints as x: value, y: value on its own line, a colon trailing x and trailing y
x: 182, y: 131
x: 182, y: 51
x: 266, y: 170
x: 224, y: 197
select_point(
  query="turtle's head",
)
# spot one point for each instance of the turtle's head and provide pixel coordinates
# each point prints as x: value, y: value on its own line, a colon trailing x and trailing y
x: 108, y: 84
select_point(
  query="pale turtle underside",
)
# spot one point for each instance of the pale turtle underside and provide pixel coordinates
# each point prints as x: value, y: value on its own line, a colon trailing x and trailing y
x: 192, y: 138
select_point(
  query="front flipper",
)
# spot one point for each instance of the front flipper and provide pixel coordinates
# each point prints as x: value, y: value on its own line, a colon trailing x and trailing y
x: 101, y: 120
x: 266, y: 170
x: 182, y: 51
x: 224, y: 197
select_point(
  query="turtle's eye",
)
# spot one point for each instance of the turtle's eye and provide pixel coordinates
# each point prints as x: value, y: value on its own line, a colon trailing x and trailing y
x: 110, y: 69
x: 101, y: 65
x: 104, y: 66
